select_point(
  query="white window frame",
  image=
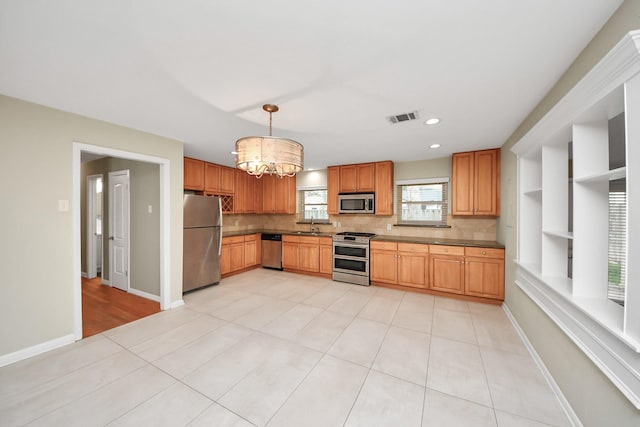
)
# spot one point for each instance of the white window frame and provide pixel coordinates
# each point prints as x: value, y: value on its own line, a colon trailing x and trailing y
x: 606, y: 332
x: 301, y: 205
x: 422, y: 181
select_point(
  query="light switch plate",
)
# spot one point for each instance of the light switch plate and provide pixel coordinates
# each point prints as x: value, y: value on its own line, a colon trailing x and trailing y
x: 63, y: 206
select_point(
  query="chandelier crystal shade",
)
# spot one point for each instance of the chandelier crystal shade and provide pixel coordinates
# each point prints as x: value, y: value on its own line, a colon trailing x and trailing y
x: 259, y: 155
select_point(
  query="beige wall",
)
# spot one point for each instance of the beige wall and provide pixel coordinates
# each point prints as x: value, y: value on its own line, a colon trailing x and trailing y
x: 144, y: 179
x: 593, y: 397
x: 37, y: 289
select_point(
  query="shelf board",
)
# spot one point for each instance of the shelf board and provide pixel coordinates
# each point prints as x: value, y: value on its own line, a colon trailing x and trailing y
x: 533, y: 192
x: 558, y: 233
x: 604, y: 176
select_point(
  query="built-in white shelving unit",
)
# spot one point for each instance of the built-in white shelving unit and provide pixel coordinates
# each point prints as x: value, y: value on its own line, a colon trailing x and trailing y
x: 568, y: 166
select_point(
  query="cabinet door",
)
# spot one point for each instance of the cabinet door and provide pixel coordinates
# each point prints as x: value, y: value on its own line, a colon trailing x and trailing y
x: 239, y: 198
x: 290, y: 257
x: 384, y: 188
x: 193, y: 174
x: 250, y: 194
x: 348, y: 178
x: 285, y: 195
x: 250, y: 251
x: 484, y: 277
x: 225, y: 259
x: 309, y: 257
x: 365, y: 176
x: 212, y: 177
x: 412, y: 269
x: 326, y: 255
x: 462, y: 183
x: 487, y: 182
x: 447, y: 273
x: 269, y: 193
x: 227, y: 179
x: 333, y: 188
x: 236, y: 254
x: 384, y: 266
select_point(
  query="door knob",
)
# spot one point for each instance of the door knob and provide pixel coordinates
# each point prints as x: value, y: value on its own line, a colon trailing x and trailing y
x: 111, y: 238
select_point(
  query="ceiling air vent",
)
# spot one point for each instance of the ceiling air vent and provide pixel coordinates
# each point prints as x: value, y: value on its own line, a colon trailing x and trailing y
x: 403, y: 117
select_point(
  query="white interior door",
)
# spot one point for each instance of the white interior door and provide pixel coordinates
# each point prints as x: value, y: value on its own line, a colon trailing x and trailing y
x: 94, y: 226
x: 119, y: 229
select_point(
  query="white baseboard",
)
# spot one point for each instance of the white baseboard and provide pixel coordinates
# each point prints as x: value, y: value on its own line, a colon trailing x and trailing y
x: 176, y: 304
x: 84, y: 274
x: 564, y: 403
x: 144, y: 294
x: 25, y: 353
x: 106, y: 282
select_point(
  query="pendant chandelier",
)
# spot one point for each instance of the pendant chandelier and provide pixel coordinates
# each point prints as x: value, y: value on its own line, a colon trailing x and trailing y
x: 258, y: 155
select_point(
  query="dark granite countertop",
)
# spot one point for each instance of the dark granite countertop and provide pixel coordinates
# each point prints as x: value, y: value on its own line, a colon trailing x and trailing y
x: 381, y: 238
x: 438, y: 241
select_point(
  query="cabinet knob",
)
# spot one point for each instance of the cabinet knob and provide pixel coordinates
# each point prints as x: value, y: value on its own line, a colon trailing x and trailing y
x: 484, y: 252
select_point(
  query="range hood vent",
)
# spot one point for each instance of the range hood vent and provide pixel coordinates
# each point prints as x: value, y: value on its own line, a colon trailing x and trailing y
x: 403, y: 117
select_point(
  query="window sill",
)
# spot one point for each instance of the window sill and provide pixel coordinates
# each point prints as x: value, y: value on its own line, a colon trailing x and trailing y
x: 594, y: 325
x: 422, y: 225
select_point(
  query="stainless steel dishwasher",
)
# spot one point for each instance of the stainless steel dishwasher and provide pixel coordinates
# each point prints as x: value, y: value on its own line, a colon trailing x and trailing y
x: 272, y: 251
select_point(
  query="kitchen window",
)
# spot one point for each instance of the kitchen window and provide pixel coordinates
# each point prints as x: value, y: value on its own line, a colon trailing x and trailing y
x: 313, y: 205
x: 423, y: 202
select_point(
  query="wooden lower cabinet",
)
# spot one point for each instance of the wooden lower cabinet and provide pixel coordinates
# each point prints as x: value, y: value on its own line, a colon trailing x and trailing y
x: 326, y: 255
x: 403, y: 264
x: 239, y: 253
x: 301, y: 253
x: 484, y: 272
x: 252, y: 250
x: 469, y: 271
x: 383, y: 262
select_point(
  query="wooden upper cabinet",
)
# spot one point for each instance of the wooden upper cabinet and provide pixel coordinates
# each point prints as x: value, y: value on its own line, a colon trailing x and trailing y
x: 333, y: 188
x: 487, y: 182
x: 212, y: 177
x: 278, y: 194
x: 384, y: 188
x: 193, y: 174
x: 357, y: 178
x: 239, y: 205
x: 476, y: 183
x: 227, y: 179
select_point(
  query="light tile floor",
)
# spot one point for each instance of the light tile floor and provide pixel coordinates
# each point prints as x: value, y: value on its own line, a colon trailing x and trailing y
x: 268, y: 348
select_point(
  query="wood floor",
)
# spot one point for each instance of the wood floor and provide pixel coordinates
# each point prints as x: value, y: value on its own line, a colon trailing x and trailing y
x: 104, y: 307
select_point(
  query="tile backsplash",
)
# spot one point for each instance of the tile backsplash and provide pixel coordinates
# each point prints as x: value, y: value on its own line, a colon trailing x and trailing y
x: 461, y: 228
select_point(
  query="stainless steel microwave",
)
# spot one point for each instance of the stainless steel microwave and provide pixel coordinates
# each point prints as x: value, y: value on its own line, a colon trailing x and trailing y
x: 356, y: 203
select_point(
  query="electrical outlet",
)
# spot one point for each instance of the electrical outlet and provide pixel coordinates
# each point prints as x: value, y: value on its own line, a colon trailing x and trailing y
x: 389, y: 226
x: 335, y: 224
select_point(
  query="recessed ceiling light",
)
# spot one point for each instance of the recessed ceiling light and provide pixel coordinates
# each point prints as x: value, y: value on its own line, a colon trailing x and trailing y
x: 434, y: 146
x: 234, y: 153
x: 432, y: 121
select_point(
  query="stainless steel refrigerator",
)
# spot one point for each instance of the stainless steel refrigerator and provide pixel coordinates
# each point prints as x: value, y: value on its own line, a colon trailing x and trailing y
x: 202, y: 241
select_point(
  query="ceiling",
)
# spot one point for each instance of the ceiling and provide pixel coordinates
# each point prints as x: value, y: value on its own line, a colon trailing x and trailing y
x: 199, y: 71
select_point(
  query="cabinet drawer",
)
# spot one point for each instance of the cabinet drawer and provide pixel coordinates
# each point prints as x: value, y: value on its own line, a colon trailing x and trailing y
x: 290, y: 239
x: 484, y: 252
x: 383, y: 246
x: 309, y: 239
x: 446, y: 250
x: 250, y: 237
x: 413, y: 247
x: 231, y: 240
x: 326, y: 241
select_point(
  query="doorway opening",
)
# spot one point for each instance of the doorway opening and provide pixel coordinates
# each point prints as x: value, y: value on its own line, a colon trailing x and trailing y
x: 160, y: 207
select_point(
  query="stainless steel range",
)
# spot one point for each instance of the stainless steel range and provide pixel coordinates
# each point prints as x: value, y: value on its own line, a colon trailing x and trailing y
x: 351, y: 257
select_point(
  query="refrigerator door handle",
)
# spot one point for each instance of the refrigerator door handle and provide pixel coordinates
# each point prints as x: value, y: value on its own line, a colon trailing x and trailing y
x: 220, y: 219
